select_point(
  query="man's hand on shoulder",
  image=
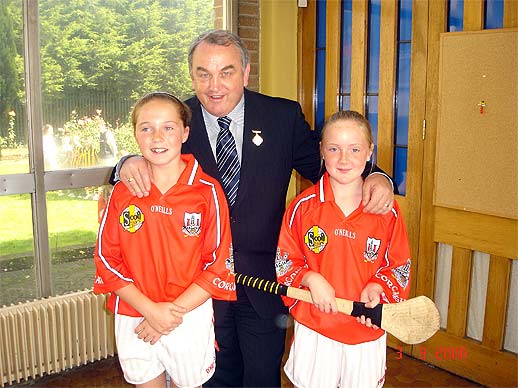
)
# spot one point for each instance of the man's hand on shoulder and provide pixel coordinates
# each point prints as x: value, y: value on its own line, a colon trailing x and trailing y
x: 136, y: 175
x: 378, y: 194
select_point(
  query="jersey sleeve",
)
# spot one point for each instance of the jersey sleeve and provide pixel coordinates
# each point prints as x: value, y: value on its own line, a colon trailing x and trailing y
x: 217, y: 276
x: 290, y: 261
x: 110, y: 271
x: 394, y: 275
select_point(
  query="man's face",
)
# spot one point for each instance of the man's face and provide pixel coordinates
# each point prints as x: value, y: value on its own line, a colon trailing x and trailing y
x: 218, y: 77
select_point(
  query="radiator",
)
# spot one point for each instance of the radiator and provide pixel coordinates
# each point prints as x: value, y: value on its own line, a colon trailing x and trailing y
x: 50, y: 335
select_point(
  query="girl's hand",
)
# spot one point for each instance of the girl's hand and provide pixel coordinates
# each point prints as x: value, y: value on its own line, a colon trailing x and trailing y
x: 322, y: 293
x: 146, y: 333
x: 371, y: 296
x: 164, y: 317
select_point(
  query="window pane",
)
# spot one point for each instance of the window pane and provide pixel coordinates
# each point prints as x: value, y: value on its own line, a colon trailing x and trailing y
x: 405, y: 20
x: 345, y: 102
x: 372, y: 116
x: 403, y: 93
x: 374, y: 47
x: 347, y: 14
x: 320, y: 89
x: 400, y: 168
x: 455, y: 15
x: 97, y: 58
x: 17, y: 270
x: 73, y: 217
x: 13, y: 134
x: 494, y: 15
x: 320, y: 68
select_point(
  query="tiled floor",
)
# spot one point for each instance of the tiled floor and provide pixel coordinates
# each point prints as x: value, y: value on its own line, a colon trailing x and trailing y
x: 401, y: 372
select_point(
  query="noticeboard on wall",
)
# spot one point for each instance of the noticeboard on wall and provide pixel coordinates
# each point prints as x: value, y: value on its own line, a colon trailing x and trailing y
x: 477, y: 129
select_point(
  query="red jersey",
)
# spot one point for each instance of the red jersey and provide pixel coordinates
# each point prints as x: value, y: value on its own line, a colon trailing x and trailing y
x: 164, y: 242
x: 348, y: 251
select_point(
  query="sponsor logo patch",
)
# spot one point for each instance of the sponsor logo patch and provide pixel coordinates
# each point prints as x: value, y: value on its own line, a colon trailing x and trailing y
x: 131, y: 219
x: 316, y: 239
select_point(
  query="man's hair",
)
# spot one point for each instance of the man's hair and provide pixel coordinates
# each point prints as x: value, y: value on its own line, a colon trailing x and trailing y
x: 220, y: 38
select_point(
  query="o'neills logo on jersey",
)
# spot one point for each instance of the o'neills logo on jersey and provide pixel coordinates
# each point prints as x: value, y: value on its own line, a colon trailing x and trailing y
x: 371, y: 250
x: 161, y: 209
x: 316, y: 239
x: 191, y: 224
x: 131, y: 218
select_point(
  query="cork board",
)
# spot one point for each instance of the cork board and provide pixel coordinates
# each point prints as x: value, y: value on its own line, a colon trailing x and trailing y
x: 476, y: 165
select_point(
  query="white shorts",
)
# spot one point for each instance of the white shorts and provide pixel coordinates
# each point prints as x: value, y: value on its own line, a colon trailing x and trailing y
x: 316, y: 361
x: 187, y: 353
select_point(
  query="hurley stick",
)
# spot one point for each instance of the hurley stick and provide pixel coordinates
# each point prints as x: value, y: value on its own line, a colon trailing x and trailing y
x: 412, y: 321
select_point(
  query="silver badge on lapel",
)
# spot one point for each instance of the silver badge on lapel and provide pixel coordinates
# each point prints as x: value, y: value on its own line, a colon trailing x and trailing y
x: 257, y: 139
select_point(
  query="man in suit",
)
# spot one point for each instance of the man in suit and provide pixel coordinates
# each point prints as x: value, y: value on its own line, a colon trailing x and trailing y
x: 272, y: 138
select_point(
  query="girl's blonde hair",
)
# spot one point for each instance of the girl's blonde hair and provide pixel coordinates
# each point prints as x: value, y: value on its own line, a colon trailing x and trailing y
x: 350, y: 115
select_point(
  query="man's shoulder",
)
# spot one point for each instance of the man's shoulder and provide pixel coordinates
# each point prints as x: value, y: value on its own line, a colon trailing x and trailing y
x: 252, y: 96
x: 192, y: 102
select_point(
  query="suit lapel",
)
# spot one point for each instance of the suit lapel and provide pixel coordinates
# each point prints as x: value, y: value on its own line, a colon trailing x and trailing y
x: 248, y: 156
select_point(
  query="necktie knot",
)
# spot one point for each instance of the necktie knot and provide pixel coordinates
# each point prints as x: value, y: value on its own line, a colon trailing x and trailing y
x: 224, y: 122
x: 227, y: 159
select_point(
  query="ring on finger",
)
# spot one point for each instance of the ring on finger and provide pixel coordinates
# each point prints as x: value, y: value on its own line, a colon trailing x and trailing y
x: 130, y: 179
x: 386, y: 205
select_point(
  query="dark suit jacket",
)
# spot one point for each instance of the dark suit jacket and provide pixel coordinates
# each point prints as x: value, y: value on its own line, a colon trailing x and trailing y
x: 288, y: 143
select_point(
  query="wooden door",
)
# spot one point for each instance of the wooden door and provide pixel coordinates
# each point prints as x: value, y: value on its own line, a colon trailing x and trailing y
x: 459, y: 243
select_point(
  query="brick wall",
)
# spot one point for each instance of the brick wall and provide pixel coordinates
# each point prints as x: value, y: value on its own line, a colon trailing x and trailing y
x: 248, y: 30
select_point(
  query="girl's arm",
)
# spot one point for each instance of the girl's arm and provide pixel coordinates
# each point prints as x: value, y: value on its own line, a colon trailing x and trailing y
x: 394, y: 273
x: 191, y: 298
x: 322, y: 293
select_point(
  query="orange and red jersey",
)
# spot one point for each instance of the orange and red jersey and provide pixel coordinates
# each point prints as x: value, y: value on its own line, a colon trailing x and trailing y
x: 348, y: 251
x: 164, y: 242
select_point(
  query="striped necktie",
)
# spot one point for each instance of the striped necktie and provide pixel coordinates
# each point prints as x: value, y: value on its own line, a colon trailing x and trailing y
x: 227, y: 159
